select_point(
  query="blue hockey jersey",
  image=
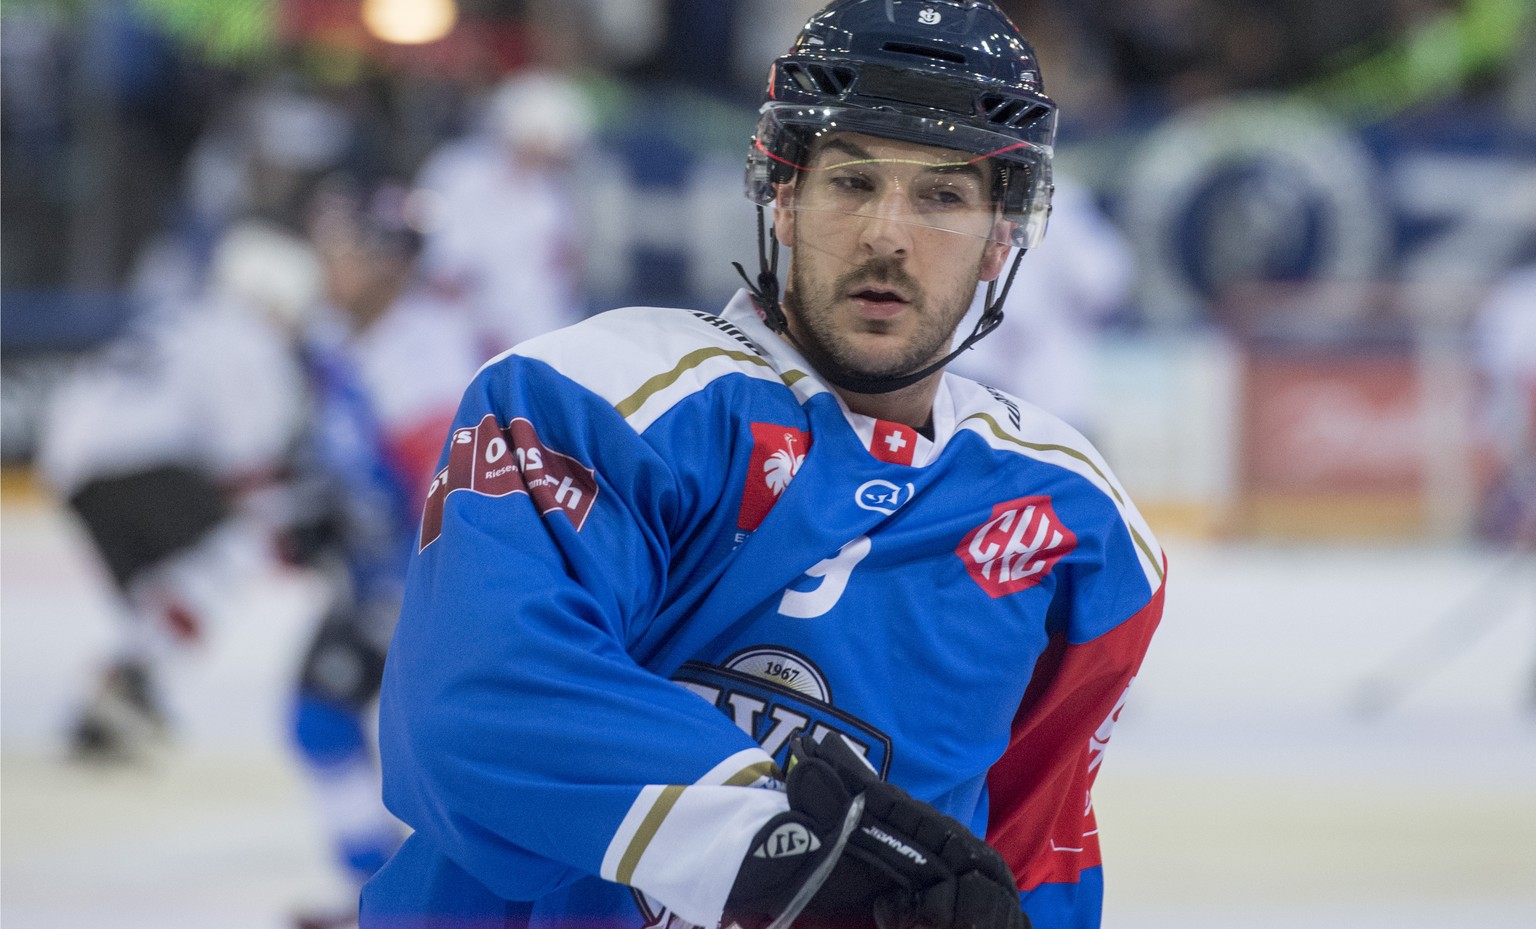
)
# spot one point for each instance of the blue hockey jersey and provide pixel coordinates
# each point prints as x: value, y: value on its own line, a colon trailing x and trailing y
x: 659, y: 544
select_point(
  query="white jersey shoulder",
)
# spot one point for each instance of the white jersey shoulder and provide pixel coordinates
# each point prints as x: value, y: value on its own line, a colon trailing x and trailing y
x: 1010, y: 423
x: 644, y: 360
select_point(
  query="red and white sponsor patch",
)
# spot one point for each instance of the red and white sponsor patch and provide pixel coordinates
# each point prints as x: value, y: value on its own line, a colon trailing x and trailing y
x: 893, y: 442
x: 496, y: 461
x: 777, y: 454
x: 1017, y: 547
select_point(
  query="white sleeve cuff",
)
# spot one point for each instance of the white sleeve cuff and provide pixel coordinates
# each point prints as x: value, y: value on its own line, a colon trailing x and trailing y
x: 682, y: 845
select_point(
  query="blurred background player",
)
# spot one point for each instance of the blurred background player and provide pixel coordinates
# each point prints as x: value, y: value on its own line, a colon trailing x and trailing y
x: 160, y: 444
x: 387, y: 364
x: 505, y: 222
x: 1504, y: 336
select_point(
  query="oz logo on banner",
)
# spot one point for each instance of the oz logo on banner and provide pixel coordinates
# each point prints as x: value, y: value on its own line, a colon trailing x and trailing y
x: 1017, y: 547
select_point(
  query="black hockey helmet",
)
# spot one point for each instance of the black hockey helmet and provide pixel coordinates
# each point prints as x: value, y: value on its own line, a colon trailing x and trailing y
x: 953, y: 74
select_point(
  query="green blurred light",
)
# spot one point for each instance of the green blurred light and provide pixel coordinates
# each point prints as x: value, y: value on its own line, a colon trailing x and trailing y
x: 1433, y: 62
x: 226, y: 32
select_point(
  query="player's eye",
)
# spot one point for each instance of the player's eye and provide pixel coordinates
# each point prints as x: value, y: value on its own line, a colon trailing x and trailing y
x: 947, y: 195
x: 850, y: 182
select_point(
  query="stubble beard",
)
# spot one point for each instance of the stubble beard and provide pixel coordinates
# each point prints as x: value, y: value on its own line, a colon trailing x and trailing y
x: 822, y: 339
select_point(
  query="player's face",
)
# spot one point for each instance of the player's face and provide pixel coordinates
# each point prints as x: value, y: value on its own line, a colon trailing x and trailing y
x: 890, y: 240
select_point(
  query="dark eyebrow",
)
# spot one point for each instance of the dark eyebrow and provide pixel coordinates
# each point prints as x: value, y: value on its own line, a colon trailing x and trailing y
x: 845, y: 146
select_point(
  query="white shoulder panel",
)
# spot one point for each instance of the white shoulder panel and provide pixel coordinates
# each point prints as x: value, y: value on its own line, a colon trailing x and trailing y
x: 644, y: 360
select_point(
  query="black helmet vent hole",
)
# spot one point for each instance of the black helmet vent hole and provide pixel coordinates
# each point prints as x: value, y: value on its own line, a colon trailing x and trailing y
x: 926, y: 51
x: 1010, y: 111
x: 815, y: 78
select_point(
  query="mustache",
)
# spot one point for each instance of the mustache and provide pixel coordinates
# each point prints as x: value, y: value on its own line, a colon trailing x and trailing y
x: 888, y: 271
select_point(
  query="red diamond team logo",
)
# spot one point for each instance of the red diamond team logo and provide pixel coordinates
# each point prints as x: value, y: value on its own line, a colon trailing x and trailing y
x: 1017, y: 547
x: 777, y: 454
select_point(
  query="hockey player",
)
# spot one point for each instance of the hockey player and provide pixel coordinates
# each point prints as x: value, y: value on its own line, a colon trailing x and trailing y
x: 501, y: 244
x: 386, y: 366
x: 763, y: 618
x: 166, y: 446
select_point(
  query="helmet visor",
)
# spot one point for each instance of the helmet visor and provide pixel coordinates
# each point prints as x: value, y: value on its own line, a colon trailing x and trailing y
x: 935, y: 173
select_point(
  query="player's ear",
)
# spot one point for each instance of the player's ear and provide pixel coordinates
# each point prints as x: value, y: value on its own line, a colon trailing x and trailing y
x: 784, y: 215
x: 993, y: 257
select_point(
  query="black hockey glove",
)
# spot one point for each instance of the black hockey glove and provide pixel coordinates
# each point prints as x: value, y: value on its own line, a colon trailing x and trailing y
x: 854, y: 852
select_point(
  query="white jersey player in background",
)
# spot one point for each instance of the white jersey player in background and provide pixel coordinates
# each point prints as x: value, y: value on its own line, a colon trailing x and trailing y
x: 163, y: 444
x: 503, y: 228
x: 1504, y: 342
x: 1073, y: 282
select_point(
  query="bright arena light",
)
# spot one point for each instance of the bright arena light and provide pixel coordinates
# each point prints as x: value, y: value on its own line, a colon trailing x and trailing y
x: 410, y: 22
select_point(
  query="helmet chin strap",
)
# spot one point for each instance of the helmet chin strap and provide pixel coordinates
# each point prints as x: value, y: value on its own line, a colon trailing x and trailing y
x: 766, y: 292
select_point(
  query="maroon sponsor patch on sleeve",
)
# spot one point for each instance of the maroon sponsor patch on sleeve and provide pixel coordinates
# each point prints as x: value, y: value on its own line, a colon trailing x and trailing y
x: 495, y: 461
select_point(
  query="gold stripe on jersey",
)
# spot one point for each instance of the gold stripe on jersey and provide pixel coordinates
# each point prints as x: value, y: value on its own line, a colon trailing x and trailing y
x: 632, y: 404
x: 692, y: 360
x: 752, y: 774
x: 646, y: 832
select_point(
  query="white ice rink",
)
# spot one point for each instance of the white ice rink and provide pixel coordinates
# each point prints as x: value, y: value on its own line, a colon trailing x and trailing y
x: 1243, y: 787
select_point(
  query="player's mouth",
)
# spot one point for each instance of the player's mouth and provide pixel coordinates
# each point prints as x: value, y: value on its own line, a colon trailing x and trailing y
x: 879, y: 302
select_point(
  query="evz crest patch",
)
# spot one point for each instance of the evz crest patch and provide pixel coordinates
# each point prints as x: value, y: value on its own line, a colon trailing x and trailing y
x: 772, y: 692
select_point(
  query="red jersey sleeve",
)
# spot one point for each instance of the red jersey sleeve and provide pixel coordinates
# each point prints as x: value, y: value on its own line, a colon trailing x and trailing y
x: 1041, y: 815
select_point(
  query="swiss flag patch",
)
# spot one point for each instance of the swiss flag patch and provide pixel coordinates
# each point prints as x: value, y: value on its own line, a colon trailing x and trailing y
x: 1017, y: 547
x: 777, y: 454
x: 893, y: 442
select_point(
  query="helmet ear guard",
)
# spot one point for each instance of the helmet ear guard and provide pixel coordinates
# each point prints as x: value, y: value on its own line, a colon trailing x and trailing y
x: 775, y: 160
x: 1027, y: 198
x: 760, y: 178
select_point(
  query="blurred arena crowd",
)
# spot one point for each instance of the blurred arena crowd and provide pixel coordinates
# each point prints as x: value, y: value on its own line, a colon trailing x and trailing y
x: 1306, y: 180
x: 130, y: 121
